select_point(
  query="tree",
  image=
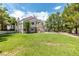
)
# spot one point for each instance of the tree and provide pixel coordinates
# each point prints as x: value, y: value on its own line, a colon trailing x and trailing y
x: 26, y: 24
x: 67, y: 21
x: 76, y: 22
x: 49, y: 23
x: 54, y: 22
x: 70, y: 14
x: 3, y: 17
x: 12, y: 20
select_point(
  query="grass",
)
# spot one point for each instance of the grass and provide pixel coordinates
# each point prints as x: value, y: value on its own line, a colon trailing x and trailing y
x: 39, y: 44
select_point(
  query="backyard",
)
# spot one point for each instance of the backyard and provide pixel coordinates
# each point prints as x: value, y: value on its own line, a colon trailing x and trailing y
x: 38, y: 44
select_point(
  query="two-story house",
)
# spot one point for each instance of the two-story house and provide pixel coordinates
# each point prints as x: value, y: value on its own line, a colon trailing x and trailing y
x: 36, y: 25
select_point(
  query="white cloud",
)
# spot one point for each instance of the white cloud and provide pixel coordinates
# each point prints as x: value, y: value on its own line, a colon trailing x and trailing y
x: 42, y: 15
x: 39, y: 15
x: 17, y: 13
x: 58, y: 7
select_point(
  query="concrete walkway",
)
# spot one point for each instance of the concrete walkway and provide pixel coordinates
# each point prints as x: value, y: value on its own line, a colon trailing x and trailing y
x: 63, y: 33
x: 70, y: 35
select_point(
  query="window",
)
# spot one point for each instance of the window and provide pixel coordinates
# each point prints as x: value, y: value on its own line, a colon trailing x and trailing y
x: 32, y: 29
x: 32, y: 23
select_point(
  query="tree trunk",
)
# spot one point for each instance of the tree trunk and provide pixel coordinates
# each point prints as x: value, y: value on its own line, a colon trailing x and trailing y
x: 76, y: 30
x: 58, y: 28
x: 54, y: 29
x: 70, y: 30
x: 2, y: 26
x: 27, y: 30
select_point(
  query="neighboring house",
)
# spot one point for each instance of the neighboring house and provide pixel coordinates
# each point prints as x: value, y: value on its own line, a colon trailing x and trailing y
x: 8, y: 27
x: 36, y: 25
x: 11, y: 27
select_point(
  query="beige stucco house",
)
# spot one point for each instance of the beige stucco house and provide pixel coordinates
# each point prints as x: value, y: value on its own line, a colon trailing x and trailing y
x: 36, y: 25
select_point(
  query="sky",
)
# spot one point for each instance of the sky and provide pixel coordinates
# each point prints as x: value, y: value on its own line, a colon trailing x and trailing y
x: 40, y: 10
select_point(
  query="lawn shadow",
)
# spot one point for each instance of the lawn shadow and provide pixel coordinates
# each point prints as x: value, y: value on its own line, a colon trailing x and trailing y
x: 3, y: 37
x: 75, y: 34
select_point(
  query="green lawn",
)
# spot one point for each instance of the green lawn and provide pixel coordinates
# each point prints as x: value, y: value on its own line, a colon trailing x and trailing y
x: 39, y: 44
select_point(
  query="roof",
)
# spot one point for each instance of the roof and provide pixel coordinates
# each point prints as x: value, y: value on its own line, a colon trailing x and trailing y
x: 29, y: 18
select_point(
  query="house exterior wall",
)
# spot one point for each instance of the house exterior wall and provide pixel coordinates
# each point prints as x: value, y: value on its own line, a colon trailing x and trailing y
x: 35, y: 25
x: 10, y: 27
x: 40, y: 26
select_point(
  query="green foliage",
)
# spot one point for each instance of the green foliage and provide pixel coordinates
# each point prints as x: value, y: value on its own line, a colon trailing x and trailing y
x: 54, y: 22
x: 5, y: 18
x: 26, y: 24
x: 12, y: 20
x: 71, y: 15
x: 66, y: 21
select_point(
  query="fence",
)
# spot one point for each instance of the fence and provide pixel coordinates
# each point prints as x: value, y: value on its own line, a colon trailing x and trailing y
x: 5, y: 32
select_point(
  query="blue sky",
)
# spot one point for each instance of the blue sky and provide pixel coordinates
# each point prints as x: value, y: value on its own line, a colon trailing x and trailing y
x: 38, y: 9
